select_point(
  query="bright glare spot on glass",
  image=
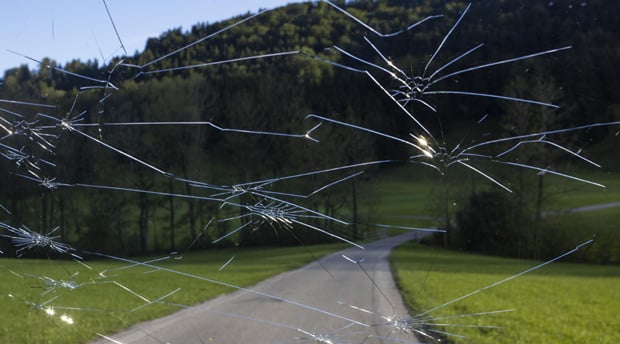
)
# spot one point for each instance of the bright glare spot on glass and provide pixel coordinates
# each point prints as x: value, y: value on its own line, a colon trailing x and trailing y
x: 67, y: 319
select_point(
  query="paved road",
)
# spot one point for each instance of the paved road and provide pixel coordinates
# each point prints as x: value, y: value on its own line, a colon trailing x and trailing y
x: 244, y: 317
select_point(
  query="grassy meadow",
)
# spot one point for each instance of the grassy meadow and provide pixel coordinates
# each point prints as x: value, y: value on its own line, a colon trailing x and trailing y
x: 97, y: 306
x: 560, y: 303
x: 418, y: 190
x: 416, y: 196
x: 565, y: 194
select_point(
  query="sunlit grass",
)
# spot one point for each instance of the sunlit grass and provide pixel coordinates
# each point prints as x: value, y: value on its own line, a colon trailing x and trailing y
x: 104, y: 307
x: 415, y: 190
x: 561, y: 303
x: 566, y: 194
x: 404, y: 195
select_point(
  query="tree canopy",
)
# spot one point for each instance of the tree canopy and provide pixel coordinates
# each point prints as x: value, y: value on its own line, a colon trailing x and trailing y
x: 276, y: 93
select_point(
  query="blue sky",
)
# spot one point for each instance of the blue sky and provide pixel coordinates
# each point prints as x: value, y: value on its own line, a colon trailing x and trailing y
x: 68, y: 29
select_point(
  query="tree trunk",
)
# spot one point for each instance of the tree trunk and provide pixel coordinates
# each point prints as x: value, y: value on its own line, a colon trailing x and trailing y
x: 63, y: 230
x: 447, y: 217
x: 143, y: 222
x: 119, y: 226
x: 538, y: 213
x: 354, y: 195
x: 43, y: 214
x: 15, y: 211
x: 190, y: 202
x: 171, y: 203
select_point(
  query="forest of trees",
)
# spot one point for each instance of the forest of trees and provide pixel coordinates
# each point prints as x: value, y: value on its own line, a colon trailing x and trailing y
x: 275, y: 94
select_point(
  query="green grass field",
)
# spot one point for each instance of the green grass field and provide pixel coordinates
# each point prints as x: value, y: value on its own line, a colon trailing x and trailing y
x: 410, y: 195
x: 403, y: 196
x: 560, y: 303
x: 105, y: 307
x: 563, y: 303
x: 416, y: 191
x: 568, y: 194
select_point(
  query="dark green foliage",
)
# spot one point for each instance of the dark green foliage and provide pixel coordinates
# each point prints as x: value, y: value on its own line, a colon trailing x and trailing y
x: 491, y: 222
x: 274, y: 94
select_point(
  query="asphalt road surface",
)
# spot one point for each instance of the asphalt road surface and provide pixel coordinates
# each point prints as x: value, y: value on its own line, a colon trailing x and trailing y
x: 327, y: 303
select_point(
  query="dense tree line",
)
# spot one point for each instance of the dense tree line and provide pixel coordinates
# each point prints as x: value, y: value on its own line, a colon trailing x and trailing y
x: 274, y: 94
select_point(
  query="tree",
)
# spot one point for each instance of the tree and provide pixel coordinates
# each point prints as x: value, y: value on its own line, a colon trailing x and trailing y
x: 521, y: 118
x: 491, y: 223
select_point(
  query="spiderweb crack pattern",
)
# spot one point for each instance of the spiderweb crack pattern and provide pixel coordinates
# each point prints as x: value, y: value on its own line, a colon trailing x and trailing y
x: 34, y: 134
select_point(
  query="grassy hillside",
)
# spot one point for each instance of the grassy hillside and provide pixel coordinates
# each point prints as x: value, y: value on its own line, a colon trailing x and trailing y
x: 560, y: 303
